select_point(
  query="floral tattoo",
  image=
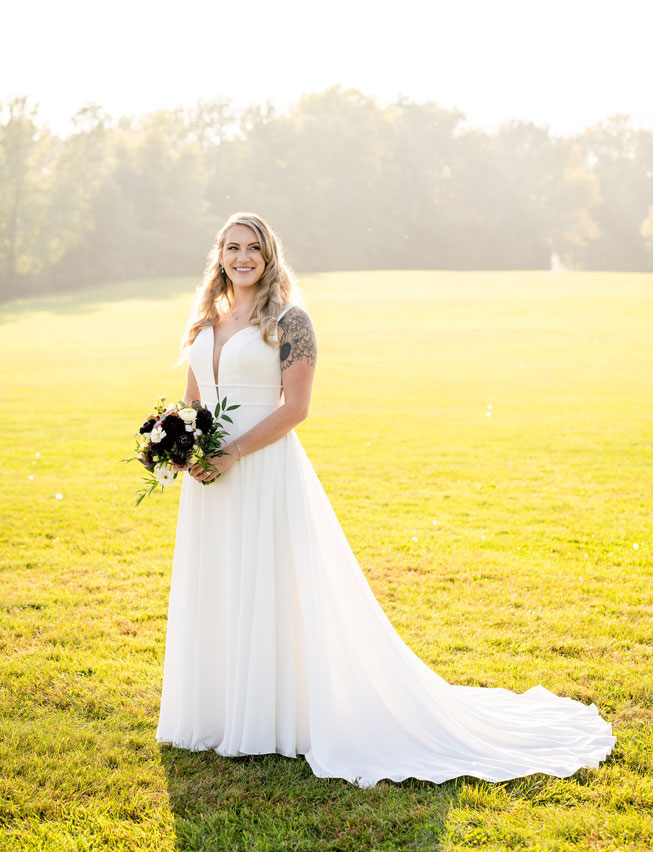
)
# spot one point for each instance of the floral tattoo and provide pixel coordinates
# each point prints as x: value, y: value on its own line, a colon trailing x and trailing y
x: 299, y: 340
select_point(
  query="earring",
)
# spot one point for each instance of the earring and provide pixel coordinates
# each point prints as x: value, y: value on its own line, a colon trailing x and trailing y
x: 221, y: 268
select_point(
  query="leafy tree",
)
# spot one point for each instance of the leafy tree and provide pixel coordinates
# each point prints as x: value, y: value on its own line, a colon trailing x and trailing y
x: 25, y: 173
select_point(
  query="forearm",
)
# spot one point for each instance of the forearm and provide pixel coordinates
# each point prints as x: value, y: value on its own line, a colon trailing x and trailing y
x: 270, y: 429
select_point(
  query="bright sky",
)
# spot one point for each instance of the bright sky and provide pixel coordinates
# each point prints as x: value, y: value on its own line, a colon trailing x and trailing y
x: 561, y: 63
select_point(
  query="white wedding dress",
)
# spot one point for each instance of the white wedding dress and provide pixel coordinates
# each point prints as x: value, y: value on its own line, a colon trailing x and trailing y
x: 276, y: 643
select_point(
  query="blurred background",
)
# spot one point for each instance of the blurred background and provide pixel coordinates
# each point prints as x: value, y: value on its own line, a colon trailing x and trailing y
x: 426, y: 135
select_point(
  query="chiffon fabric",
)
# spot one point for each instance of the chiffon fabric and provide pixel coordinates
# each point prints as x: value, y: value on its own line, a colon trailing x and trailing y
x: 276, y: 643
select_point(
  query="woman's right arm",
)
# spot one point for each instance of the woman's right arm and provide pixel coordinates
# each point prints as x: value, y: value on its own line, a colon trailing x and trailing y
x: 192, y: 390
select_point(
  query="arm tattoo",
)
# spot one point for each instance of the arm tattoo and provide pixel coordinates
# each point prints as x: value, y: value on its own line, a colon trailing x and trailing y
x: 298, y: 338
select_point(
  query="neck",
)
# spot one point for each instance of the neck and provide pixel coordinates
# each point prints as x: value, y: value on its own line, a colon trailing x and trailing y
x: 243, y: 302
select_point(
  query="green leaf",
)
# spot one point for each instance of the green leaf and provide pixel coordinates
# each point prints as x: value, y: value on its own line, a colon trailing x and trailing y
x: 226, y: 417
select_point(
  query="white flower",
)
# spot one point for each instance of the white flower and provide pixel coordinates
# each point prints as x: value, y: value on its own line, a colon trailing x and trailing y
x: 414, y: 538
x: 164, y: 475
x: 156, y: 434
x: 635, y: 547
x: 146, y: 438
x: 188, y: 415
x: 59, y: 496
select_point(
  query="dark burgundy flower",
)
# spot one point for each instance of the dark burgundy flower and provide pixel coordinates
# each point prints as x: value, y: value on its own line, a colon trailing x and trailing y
x: 184, y: 442
x: 147, y: 426
x: 204, y: 420
x: 166, y: 443
x: 174, y: 425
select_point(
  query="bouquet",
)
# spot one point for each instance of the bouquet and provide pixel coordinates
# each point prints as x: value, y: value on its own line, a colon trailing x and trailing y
x: 175, y: 437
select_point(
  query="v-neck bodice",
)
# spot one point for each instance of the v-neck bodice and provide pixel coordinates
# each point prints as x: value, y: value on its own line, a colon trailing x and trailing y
x: 249, y: 369
x: 222, y: 346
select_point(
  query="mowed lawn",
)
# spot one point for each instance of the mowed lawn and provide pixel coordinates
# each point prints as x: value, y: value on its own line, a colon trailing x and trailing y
x: 486, y: 439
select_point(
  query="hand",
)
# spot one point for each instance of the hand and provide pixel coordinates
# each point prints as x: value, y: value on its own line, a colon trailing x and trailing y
x: 220, y: 463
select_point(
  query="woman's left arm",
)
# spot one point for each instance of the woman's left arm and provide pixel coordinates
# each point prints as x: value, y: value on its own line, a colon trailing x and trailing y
x: 298, y: 354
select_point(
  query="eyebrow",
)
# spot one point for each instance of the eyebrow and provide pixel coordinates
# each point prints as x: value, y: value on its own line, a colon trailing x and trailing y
x: 234, y: 243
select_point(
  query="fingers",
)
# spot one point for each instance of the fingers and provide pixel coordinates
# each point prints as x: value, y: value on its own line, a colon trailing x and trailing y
x: 198, y: 473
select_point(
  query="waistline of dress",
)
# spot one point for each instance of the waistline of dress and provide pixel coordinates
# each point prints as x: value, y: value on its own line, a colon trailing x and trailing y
x: 271, y: 404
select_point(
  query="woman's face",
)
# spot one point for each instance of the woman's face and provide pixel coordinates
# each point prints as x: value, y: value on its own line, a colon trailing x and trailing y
x: 241, y: 256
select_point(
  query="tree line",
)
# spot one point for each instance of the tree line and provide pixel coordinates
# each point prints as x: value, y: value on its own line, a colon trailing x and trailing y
x: 348, y: 184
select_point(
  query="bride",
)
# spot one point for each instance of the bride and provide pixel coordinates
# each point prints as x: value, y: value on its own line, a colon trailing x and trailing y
x: 275, y: 641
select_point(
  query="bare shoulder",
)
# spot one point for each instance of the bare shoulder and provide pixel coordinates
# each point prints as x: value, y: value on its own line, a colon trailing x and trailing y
x: 297, y: 338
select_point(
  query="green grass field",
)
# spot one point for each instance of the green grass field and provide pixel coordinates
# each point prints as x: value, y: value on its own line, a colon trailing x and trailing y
x: 509, y: 550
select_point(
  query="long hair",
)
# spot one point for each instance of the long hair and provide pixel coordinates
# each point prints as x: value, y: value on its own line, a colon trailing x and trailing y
x: 215, y: 295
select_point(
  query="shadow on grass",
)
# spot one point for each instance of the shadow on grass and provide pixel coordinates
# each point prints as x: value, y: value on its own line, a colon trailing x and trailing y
x: 87, y: 300
x: 272, y: 802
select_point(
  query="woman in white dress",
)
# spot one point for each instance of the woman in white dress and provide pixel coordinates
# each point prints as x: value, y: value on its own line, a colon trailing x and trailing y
x: 275, y: 641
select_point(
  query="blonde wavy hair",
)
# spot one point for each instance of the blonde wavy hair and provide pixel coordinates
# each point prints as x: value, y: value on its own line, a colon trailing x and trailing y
x: 215, y: 295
